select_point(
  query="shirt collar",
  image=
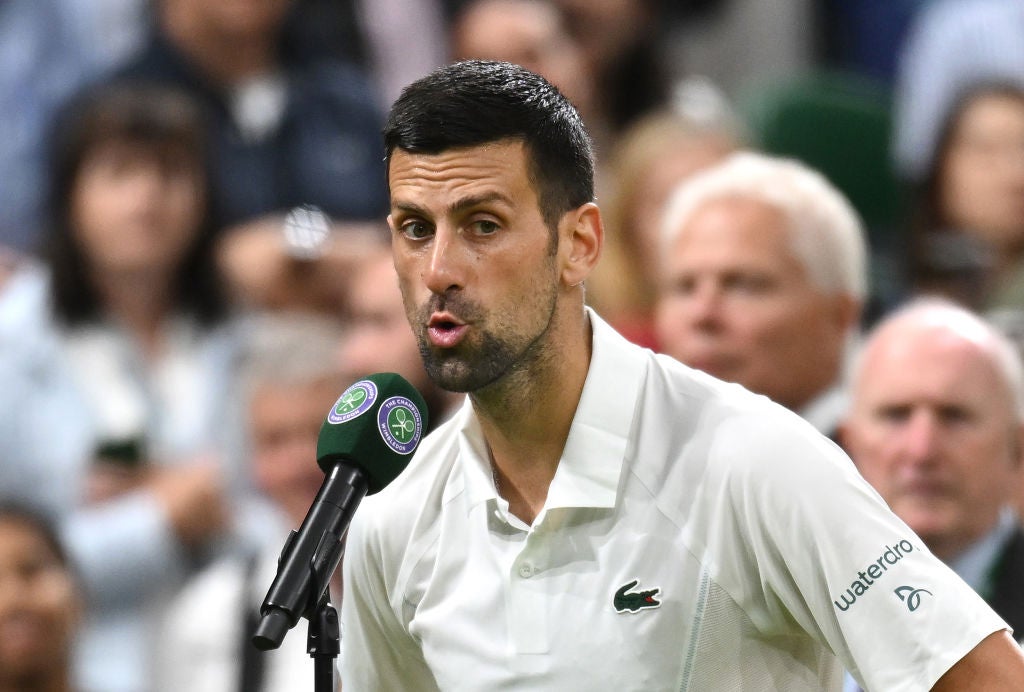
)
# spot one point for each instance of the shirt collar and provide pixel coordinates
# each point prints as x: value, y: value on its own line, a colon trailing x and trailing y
x: 591, y: 463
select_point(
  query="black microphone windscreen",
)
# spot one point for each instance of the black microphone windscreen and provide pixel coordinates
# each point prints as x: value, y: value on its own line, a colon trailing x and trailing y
x: 377, y: 423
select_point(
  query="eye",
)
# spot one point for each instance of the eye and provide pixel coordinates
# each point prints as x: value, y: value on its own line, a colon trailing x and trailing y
x: 682, y: 285
x: 895, y: 413
x: 750, y: 283
x: 953, y: 414
x: 484, y: 227
x: 415, y: 230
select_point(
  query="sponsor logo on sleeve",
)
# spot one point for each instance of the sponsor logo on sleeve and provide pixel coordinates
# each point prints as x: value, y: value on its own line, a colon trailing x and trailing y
x: 867, y: 577
x: 911, y: 596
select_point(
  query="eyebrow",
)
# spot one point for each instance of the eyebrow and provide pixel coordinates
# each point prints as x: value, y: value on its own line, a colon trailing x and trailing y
x: 459, y: 205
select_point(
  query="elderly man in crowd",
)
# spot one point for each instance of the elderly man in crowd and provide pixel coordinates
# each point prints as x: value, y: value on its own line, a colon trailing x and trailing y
x: 763, y: 281
x: 936, y: 426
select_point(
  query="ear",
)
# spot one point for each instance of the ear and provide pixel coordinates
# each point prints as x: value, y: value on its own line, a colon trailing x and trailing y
x: 582, y: 237
x: 848, y: 311
x: 1017, y: 451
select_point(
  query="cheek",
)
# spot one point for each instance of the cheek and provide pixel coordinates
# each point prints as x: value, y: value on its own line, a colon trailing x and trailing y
x: 91, y: 209
x: 56, y: 594
x: 872, y: 452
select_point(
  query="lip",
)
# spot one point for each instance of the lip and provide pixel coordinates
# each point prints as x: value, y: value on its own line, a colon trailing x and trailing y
x: 445, y: 330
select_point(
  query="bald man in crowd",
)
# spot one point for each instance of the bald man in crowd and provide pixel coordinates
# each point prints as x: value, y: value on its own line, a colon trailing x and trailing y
x: 936, y: 425
x: 764, y: 281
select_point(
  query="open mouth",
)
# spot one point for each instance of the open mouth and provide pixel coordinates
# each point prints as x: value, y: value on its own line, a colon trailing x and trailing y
x: 445, y: 331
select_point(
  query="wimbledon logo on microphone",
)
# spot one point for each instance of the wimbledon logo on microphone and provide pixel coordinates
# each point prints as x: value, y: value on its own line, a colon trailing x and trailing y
x: 354, y: 402
x: 400, y: 424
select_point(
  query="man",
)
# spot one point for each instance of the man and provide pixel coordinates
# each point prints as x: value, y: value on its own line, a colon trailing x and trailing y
x: 936, y: 426
x: 763, y: 282
x: 287, y: 126
x: 597, y: 516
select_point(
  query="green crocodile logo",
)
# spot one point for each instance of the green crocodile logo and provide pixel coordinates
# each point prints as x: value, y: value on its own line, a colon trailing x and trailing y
x: 635, y: 601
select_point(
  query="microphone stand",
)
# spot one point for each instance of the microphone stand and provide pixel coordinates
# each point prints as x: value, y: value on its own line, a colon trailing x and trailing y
x: 323, y: 643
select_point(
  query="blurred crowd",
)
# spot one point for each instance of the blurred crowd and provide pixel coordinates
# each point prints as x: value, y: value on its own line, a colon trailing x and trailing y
x: 823, y: 203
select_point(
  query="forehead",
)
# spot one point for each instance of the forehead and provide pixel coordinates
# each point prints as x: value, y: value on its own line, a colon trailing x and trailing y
x: 426, y: 179
x: 736, y: 229
x: 992, y: 109
x: 936, y: 363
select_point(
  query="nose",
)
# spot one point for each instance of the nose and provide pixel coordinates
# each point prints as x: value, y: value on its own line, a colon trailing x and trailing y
x: 920, y: 438
x: 446, y: 262
x: 702, y: 305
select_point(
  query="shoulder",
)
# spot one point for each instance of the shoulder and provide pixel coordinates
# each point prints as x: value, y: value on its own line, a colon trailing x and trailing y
x: 727, y: 435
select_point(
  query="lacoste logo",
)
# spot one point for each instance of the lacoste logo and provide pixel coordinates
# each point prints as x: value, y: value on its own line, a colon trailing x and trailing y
x: 635, y: 601
x: 913, y: 598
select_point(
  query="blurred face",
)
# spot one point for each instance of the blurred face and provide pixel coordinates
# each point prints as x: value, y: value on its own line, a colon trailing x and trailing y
x: 667, y: 170
x: 39, y: 608
x: 239, y: 18
x: 932, y: 429
x: 285, y: 422
x: 526, y: 33
x: 737, y: 303
x: 135, y: 211
x: 983, y: 181
x: 476, y: 262
x: 378, y: 338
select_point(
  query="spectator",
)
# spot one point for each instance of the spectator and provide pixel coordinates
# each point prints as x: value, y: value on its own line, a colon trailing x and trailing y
x: 951, y: 45
x: 288, y: 128
x: 116, y: 360
x: 378, y: 338
x: 969, y: 231
x: 290, y: 377
x: 534, y: 34
x: 40, y: 604
x: 623, y: 47
x: 936, y: 425
x: 48, y: 50
x: 764, y: 281
x: 650, y: 159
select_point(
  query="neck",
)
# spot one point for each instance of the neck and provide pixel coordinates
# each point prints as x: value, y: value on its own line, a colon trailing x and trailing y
x: 139, y: 302
x: 526, y: 417
x: 225, y: 58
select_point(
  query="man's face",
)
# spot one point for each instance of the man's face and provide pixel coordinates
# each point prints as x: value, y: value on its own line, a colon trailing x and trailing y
x: 285, y: 421
x: 932, y: 429
x: 476, y: 262
x: 737, y: 303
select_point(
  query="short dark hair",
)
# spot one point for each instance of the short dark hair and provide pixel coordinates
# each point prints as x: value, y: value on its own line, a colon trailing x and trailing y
x: 164, y: 121
x: 476, y: 102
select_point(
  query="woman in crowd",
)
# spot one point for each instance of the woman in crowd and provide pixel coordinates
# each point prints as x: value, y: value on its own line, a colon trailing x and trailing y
x: 967, y: 237
x: 117, y: 360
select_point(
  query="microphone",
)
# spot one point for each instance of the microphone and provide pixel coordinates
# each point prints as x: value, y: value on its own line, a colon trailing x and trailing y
x: 365, y: 442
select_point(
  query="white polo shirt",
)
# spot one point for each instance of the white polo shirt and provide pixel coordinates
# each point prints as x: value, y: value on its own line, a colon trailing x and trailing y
x: 695, y: 537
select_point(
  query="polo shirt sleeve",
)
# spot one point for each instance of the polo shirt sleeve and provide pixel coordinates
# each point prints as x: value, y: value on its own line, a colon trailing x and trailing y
x: 379, y: 654
x: 834, y: 562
